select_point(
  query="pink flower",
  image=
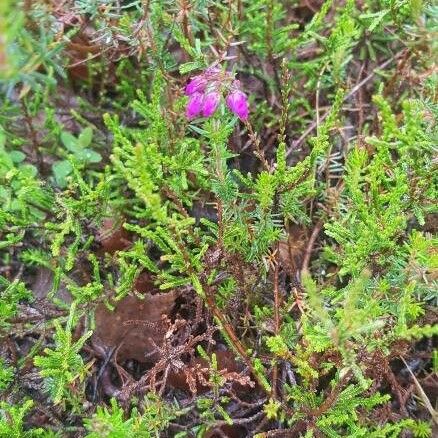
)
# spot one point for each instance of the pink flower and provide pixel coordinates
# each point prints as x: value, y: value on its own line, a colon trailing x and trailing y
x: 196, y: 85
x: 237, y: 102
x: 206, y: 90
x: 194, y: 107
x: 211, y: 102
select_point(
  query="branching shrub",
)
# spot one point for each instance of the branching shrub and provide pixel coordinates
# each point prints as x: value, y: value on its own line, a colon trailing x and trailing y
x: 218, y: 218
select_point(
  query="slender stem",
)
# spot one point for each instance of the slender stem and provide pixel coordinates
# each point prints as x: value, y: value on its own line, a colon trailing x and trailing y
x: 277, y: 323
x: 353, y: 91
x: 240, y: 349
x: 309, y: 248
x: 259, y: 153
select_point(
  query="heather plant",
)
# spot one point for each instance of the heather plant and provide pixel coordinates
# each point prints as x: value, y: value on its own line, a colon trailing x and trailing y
x: 111, y: 422
x: 63, y: 365
x: 218, y: 218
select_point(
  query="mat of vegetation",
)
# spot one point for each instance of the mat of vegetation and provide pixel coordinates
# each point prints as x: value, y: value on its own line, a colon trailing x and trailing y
x: 217, y: 218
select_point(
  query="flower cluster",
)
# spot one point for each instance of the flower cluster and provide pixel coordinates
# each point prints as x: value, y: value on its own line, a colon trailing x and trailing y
x: 205, y: 92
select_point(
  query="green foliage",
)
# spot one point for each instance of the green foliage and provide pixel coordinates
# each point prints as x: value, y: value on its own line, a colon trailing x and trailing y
x: 112, y: 422
x: 263, y: 28
x: 89, y: 200
x: 78, y: 147
x: 32, y: 57
x: 165, y: 167
x: 271, y: 409
x: 11, y: 294
x: 23, y: 199
x: 343, y: 417
x: 63, y: 365
x: 12, y: 422
x: 6, y: 375
x: 382, y: 191
x: 211, y: 409
x: 90, y: 291
x: 300, y: 240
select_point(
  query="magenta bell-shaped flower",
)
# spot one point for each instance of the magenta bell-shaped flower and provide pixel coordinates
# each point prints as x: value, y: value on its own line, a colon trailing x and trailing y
x: 237, y: 102
x: 206, y: 90
x: 194, y: 107
x: 196, y: 85
x: 210, y: 104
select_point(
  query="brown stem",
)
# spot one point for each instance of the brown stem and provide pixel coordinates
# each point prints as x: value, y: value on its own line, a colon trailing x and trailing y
x: 277, y: 323
x: 309, y: 248
x: 238, y: 346
x: 211, y: 304
x: 185, y: 22
x: 331, y: 398
x: 259, y: 153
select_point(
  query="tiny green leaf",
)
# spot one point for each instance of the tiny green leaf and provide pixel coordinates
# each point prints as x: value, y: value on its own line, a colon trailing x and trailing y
x: 85, y: 137
x: 61, y: 170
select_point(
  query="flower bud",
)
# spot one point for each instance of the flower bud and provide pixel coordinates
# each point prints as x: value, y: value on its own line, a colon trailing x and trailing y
x: 237, y: 102
x: 196, y: 85
x: 210, y: 104
x: 194, y: 106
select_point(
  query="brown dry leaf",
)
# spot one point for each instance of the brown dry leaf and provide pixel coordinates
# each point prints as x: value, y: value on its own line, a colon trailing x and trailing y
x: 144, y: 283
x: 431, y: 223
x: 43, y: 283
x: 80, y: 50
x: 134, y: 325
x: 291, y: 251
x: 113, y: 237
x: 234, y: 431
